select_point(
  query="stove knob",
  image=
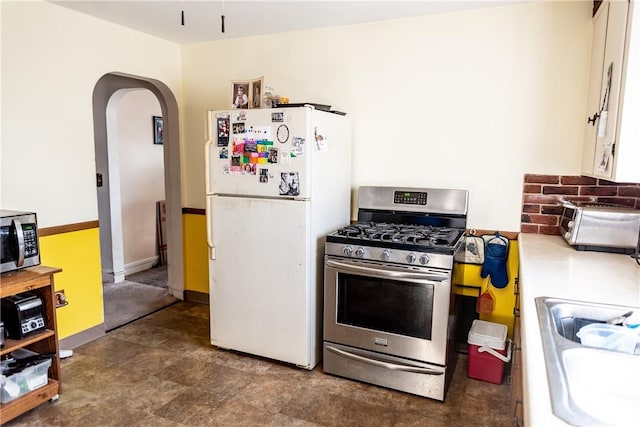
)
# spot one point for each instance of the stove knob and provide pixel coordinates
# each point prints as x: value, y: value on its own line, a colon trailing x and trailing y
x: 347, y: 250
x: 385, y: 255
x: 359, y: 252
x: 424, y: 259
x: 411, y: 258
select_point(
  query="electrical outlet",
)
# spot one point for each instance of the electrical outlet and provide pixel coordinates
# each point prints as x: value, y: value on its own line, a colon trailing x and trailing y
x: 61, y: 298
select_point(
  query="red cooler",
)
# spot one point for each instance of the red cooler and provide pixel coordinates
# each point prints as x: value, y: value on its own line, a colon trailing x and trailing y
x: 488, y: 352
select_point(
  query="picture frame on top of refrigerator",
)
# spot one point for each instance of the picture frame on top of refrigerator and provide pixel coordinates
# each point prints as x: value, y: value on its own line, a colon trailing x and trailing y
x: 247, y: 94
x: 255, y: 94
x: 240, y: 95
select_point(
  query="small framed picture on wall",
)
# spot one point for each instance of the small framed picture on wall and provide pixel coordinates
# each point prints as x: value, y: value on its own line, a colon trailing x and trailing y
x: 158, y: 130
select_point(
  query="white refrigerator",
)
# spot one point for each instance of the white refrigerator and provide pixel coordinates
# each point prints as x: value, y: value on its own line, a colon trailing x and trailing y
x: 278, y: 181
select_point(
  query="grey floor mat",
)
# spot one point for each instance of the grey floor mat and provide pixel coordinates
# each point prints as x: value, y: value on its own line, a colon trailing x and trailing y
x: 127, y: 301
x: 156, y: 276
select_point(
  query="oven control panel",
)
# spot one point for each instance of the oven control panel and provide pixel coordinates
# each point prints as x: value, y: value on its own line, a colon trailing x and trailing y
x: 410, y: 197
x: 387, y: 255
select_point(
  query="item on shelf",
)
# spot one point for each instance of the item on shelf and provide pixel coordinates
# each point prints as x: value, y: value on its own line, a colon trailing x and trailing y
x: 23, y: 315
x: 27, y: 378
x: 18, y: 381
x: 266, y: 97
x: 322, y: 107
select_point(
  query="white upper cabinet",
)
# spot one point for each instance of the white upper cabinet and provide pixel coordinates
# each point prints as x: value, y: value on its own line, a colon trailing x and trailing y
x: 612, y: 126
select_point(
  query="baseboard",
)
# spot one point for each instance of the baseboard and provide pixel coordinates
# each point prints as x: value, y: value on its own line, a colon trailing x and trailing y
x: 83, y: 337
x: 197, y: 297
x: 141, y: 265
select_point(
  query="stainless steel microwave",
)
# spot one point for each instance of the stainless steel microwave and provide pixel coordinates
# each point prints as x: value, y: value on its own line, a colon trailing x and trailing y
x: 19, y: 246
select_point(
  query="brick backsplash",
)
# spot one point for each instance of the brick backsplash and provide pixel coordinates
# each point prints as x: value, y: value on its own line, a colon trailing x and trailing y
x: 541, y: 210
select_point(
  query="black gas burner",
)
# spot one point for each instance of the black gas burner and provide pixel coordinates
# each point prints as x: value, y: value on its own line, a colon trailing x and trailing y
x: 422, y: 235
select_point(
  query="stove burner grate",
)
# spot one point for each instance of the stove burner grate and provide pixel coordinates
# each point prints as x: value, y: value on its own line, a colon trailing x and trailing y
x: 424, y: 235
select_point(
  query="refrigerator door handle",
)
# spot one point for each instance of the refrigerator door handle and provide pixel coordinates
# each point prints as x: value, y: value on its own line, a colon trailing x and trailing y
x: 212, y: 246
x: 207, y: 146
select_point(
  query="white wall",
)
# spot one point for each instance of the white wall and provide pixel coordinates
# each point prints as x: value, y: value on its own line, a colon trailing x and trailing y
x: 141, y: 168
x: 52, y: 58
x: 470, y: 100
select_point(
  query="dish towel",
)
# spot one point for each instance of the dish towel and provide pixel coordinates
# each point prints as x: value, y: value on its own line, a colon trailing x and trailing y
x: 495, y: 261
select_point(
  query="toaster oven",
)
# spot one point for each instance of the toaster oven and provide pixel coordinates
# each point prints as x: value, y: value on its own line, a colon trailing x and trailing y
x: 600, y: 226
x: 23, y: 315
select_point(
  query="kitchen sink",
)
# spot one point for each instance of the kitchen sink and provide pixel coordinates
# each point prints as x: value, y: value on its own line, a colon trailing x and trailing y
x: 587, y: 385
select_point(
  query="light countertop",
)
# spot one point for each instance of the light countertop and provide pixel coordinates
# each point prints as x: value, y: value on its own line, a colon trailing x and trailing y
x: 550, y: 267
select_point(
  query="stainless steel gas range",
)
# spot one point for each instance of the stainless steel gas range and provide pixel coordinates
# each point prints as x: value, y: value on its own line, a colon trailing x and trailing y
x: 388, y: 302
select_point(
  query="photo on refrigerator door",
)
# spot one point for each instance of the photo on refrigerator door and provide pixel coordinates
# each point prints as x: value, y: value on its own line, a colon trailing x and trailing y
x: 238, y: 128
x: 289, y: 184
x: 223, y: 132
x: 235, y: 163
x: 264, y: 176
x: 273, y: 155
x: 249, y: 169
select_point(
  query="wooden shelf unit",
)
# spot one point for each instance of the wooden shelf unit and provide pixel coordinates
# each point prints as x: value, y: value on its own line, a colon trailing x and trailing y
x: 37, y: 280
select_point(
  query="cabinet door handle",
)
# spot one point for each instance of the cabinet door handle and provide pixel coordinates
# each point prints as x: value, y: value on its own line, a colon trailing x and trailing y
x: 593, y: 119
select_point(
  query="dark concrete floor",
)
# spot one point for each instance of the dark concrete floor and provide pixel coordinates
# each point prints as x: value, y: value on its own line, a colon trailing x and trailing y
x: 162, y: 371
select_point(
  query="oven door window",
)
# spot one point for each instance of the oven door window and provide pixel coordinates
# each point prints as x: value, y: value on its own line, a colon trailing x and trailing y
x: 397, y: 307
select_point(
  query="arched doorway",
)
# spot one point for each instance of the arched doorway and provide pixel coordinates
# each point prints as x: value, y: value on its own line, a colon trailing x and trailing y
x: 105, y: 88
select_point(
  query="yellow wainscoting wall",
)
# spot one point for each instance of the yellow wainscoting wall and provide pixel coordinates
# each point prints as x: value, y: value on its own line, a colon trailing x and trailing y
x: 196, y: 253
x: 77, y: 253
x: 467, y: 281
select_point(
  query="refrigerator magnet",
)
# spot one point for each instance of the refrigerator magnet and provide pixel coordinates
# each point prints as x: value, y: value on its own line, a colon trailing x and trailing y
x: 289, y: 184
x: 285, y: 158
x: 277, y: 117
x: 238, y: 128
x: 250, y: 147
x: 249, y: 169
x: 297, y: 142
x: 297, y: 152
x: 264, y: 176
x: 282, y: 133
x: 321, y: 141
x: 224, y: 153
x: 223, y: 131
x: 272, y: 156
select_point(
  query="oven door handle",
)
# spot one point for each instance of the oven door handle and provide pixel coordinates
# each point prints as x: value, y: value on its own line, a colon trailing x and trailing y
x: 386, y: 365
x: 349, y: 268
